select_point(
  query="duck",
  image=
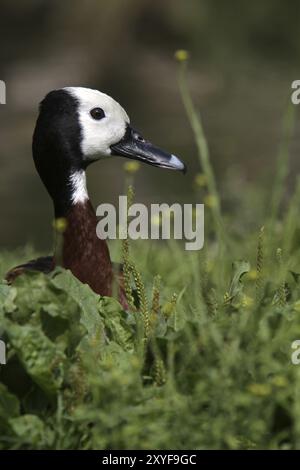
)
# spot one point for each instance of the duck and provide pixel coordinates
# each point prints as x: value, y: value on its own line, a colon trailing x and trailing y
x: 76, y: 127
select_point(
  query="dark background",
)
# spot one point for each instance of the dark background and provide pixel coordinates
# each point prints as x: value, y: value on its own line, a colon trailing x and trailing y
x: 244, y: 56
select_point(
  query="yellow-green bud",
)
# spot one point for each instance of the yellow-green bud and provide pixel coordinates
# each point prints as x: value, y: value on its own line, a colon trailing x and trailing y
x: 131, y: 167
x: 60, y: 224
x: 182, y: 55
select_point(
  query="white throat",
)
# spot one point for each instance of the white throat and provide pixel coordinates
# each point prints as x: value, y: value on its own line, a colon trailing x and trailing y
x: 78, y: 187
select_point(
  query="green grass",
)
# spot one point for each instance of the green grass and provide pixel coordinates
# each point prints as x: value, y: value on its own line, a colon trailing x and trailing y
x: 205, y: 363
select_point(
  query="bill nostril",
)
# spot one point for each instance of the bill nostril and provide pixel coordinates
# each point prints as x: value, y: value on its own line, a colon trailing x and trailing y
x: 138, y: 137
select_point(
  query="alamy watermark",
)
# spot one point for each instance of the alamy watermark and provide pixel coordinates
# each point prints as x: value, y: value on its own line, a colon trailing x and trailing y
x: 2, y: 352
x: 181, y: 222
x: 2, y: 92
x: 295, y: 356
x: 295, y: 97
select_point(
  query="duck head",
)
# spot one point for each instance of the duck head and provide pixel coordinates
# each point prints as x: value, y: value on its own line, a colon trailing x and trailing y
x: 77, y: 126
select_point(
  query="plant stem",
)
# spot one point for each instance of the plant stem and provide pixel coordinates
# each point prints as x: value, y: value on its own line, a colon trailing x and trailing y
x: 282, y: 166
x: 203, y: 150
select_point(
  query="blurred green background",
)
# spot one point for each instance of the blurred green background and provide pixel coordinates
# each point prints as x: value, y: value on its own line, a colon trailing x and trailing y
x: 244, y: 56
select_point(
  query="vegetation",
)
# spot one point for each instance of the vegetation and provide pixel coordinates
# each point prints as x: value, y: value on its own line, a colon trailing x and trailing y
x: 203, y: 362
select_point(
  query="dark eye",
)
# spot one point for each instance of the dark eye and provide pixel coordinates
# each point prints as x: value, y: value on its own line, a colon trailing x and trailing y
x: 97, y: 113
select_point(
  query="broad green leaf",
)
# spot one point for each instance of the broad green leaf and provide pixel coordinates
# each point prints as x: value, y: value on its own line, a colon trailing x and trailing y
x: 40, y: 357
x: 31, y: 430
x: 35, y: 292
x: 115, y: 322
x: 85, y: 298
x: 239, y: 268
x: 7, y: 298
x: 9, y: 404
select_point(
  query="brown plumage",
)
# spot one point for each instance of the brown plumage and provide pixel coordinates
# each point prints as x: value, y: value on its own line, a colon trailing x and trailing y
x: 45, y: 264
x: 83, y: 253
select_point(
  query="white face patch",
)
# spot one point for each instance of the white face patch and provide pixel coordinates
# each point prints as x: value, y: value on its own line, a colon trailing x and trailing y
x: 98, y: 135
